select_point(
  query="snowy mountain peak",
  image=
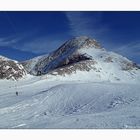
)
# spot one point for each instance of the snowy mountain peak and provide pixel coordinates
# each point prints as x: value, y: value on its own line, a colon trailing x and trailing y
x: 68, y: 53
x: 84, y: 56
x: 73, y: 45
x: 81, y: 42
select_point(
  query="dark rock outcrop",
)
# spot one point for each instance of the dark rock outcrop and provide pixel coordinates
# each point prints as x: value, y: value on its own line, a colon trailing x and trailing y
x: 10, y: 69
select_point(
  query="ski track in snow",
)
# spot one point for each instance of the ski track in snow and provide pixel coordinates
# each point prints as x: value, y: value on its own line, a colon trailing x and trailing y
x: 73, y: 104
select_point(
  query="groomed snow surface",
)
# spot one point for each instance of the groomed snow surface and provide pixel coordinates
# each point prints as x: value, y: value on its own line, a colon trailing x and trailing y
x: 45, y: 103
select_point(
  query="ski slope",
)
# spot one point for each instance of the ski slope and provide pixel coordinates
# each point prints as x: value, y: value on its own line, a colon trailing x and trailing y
x: 51, y: 103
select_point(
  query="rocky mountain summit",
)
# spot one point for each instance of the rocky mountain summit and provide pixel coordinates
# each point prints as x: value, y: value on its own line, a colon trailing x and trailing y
x: 83, y: 56
x: 10, y: 69
x: 67, y: 54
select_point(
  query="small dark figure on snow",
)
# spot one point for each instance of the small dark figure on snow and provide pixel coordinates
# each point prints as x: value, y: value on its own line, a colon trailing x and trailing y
x: 16, y: 93
x: 45, y: 113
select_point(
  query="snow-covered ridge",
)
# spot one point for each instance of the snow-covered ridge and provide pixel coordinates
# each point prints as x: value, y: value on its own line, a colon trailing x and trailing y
x: 84, y: 56
x: 69, y: 50
x: 10, y: 69
x: 3, y: 58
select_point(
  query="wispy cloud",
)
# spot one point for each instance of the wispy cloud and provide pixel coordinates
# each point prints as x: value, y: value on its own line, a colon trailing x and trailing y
x: 81, y: 23
x: 130, y: 50
x: 13, y: 40
x: 8, y: 41
x: 20, y: 40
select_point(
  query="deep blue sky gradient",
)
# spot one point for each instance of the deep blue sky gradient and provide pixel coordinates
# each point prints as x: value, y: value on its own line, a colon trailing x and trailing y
x: 24, y: 35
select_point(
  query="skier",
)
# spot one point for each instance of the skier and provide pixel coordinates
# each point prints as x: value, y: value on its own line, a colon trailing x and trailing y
x: 16, y: 93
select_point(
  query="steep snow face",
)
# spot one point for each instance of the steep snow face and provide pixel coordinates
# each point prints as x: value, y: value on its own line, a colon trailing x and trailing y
x: 66, y: 54
x: 10, y: 69
x: 83, y: 58
x: 29, y: 65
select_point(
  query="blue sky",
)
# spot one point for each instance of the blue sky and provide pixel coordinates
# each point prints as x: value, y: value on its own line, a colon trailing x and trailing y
x: 24, y: 35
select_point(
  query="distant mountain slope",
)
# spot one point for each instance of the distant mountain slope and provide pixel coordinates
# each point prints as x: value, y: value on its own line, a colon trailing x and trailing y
x: 10, y: 69
x: 30, y: 65
x: 84, y: 56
